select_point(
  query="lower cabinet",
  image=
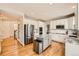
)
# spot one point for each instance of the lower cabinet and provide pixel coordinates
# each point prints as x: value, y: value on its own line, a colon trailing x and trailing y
x: 45, y: 44
x: 40, y: 44
x: 71, y: 49
x: 59, y: 37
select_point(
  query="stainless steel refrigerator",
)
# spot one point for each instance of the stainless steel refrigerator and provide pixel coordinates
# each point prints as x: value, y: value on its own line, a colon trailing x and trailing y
x: 28, y: 33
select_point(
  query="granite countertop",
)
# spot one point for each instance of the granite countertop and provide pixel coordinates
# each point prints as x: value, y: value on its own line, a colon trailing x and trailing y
x: 39, y: 39
x: 72, y: 40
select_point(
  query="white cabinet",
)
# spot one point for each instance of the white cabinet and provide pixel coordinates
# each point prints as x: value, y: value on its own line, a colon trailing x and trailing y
x: 58, y: 37
x: 71, y: 49
x: 72, y: 46
x: 45, y: 44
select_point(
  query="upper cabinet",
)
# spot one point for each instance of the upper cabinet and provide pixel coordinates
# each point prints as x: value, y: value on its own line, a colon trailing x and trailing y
x: 58, y: 23
x: 67, y: 23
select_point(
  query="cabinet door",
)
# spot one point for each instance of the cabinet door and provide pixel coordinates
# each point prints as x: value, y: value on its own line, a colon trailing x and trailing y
x: 71, y: 49
x: 45, y: 43
x: 58, y: 37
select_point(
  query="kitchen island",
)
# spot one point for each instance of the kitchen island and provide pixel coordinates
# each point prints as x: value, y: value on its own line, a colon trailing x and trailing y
x: 40, y: 44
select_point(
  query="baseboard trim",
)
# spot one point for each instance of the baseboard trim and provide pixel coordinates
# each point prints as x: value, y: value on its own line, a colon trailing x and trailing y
x: 46, y: 48
x: 20, y: 42
x: 13, y: 37
x: 57, y: 41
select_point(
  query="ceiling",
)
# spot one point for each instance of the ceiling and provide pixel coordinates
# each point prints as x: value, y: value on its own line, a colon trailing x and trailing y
x: 8, y: 16
x: 43, y: 11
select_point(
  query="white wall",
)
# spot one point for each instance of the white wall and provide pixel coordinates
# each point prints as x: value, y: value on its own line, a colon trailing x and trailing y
x: 7, y: 28
x: 21, y: 32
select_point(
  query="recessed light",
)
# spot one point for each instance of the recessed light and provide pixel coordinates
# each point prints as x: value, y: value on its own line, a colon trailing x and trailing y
x: 73, y: 7
x: 50, y: 3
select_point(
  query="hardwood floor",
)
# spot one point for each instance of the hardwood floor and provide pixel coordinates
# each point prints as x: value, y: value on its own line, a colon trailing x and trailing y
x: 11, y: 47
